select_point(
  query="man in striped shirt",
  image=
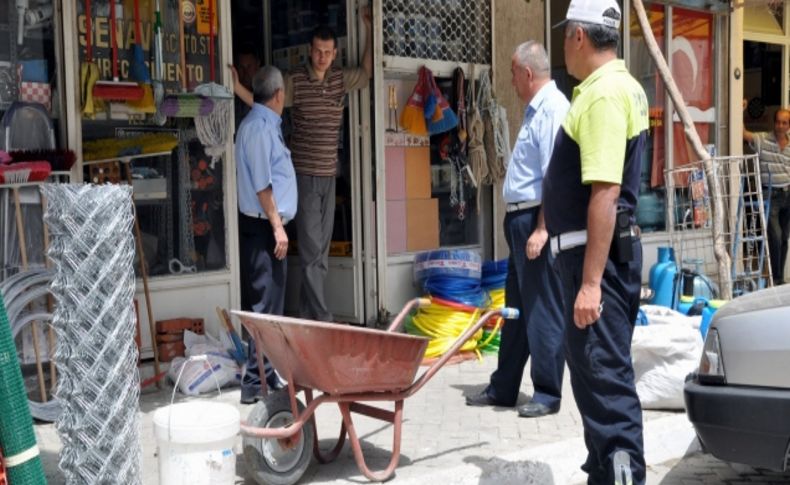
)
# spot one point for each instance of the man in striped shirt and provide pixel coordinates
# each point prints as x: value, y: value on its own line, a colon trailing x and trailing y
x: 316, y: 93
x: 774, y: 152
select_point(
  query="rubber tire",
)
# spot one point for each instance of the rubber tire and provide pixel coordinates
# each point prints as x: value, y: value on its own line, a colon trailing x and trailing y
x: 258, y: 467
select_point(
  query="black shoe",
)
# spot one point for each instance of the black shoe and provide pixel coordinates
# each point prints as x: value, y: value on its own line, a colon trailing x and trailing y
x: 250, y: 395
x: 483, y: 399
x: 535, y: 410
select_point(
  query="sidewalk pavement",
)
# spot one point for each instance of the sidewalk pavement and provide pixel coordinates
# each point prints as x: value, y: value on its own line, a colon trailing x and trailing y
x: 445, y: 441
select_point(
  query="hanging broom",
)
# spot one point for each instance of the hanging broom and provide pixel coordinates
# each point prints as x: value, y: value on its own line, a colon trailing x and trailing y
x: 412, y: 118
x: 447, y: 121
x: 158, y: 83
x: 138, y: 70
x: 116, y: 90
x: 89, y: 71
x: 185, y: 104
x: 212, y: 129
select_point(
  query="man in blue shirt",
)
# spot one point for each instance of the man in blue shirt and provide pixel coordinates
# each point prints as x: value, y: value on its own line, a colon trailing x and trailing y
x: 532, y: 285
x: 266, y: 184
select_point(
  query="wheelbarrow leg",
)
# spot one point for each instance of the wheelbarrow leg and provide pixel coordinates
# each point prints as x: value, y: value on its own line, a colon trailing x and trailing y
x: 341, y: 440
x: 386, y: 474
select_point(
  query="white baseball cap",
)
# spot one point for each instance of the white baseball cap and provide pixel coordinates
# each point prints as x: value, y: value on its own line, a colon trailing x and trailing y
x: 600, y: 12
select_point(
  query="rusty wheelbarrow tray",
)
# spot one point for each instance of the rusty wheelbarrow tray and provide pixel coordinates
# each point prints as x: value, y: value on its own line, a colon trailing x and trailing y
x: 348, y: 365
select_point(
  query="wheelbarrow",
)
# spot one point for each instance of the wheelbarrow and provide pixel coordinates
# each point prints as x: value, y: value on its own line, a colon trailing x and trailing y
x: 348, y: 365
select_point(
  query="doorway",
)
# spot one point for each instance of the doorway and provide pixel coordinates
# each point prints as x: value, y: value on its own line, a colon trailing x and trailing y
x: 284, y: 41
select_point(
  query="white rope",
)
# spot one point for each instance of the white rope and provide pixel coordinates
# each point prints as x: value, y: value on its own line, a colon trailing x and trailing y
x: 214, y: 129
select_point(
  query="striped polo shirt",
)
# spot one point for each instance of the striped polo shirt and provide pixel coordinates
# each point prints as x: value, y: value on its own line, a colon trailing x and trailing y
x: 317, y: 114
x: 773, y: 159
x: 601, y: 140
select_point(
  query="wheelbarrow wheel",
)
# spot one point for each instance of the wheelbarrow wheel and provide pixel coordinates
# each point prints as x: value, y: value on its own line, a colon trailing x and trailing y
x: 277, y: 461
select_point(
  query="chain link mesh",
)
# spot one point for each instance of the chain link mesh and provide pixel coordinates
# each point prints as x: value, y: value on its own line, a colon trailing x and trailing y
x: 98, y: 385
x: 442, y: 30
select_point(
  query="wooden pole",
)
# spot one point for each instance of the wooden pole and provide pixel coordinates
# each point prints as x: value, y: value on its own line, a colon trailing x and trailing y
x: 50, y: 306
x: 144, y: 275
x: 719, y: 243
x: 20, y: 230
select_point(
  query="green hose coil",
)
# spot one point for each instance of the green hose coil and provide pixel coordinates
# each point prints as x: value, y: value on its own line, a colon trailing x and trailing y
x: 23, y: 463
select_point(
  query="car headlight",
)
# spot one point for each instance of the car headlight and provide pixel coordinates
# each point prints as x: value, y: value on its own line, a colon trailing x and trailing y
x: 711, y: 365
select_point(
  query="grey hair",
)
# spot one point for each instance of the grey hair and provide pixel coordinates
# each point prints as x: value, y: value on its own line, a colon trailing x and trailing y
x: 533, y: 55
x: 601, y: 37
x: 265, y: 84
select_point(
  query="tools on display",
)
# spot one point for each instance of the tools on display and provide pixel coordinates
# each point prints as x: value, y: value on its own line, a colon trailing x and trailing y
x: 116, y: 90
x: 89, y: 71
x: 158, y: 75
x: 392, y: 105
x: 138, y: 69
x: 185, y: 104
x: 212, y: 128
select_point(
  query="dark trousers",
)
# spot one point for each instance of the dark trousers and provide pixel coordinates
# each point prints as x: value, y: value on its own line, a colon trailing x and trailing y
x: 599, y: 360
x: 533, y: 287
x: 778, y: 233
x: 314, y: 223
x: 262, y: 284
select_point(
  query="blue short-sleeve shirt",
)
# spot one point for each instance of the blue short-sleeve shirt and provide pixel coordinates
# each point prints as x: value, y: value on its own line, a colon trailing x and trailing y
x: 263, y: 161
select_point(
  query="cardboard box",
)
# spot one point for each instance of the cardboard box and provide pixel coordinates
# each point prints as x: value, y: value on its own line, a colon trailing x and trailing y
x: 396, y: 226
x: 418, y: 172
x: 422, y: 224
x: 395, y: 172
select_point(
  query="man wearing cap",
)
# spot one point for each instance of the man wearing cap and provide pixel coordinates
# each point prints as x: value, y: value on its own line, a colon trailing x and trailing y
x: 589, y: 195
x: 532, y: 285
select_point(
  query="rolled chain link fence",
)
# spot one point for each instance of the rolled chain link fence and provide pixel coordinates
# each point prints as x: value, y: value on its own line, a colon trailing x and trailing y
x: 442, y: 30
x: 92, y: 250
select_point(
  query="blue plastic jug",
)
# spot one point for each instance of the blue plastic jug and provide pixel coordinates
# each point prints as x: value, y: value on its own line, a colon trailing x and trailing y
x: 662, y: 278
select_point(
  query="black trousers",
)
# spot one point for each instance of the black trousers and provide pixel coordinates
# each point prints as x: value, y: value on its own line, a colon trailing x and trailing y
x: 533, y: 287
x: 262, y: 283
x: 599, y: 360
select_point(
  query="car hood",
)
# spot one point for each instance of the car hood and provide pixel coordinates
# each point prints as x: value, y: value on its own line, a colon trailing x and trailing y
x: 754, y: 332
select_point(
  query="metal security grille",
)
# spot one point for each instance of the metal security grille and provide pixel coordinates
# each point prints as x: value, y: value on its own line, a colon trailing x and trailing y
x: 443, y: 30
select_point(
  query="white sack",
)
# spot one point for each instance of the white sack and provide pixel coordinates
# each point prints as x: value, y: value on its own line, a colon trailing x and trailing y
x: 664, y: 352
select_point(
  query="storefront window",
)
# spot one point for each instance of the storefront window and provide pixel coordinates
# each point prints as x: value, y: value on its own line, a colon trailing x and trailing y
x: 691, y: 58
x: 29, y: 74
x: 651, y: 210
x: 178, y: 186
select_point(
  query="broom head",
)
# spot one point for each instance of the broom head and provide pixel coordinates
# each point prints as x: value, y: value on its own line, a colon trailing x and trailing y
x: 59, y: 159
x: 145, y: 104
x: 19, y: 173
x: 186, y: 105
x: 117, y: 91
x: 138, y: 71
x: 412, y: 118
x: 214, y: 91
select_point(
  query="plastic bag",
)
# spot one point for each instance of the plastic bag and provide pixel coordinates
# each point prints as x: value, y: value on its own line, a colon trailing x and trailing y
x: 206, y: 360
x: 664, y: 352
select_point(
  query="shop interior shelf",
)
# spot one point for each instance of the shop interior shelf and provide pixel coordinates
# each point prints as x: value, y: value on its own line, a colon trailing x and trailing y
x: 127, y: 158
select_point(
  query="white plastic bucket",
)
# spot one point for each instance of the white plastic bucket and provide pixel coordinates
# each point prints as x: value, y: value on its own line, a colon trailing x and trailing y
x: 195, y: 441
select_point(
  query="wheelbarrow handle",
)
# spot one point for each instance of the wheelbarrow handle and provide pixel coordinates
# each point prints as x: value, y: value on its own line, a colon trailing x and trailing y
x: 508, y: 313
x: 411, y: 305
